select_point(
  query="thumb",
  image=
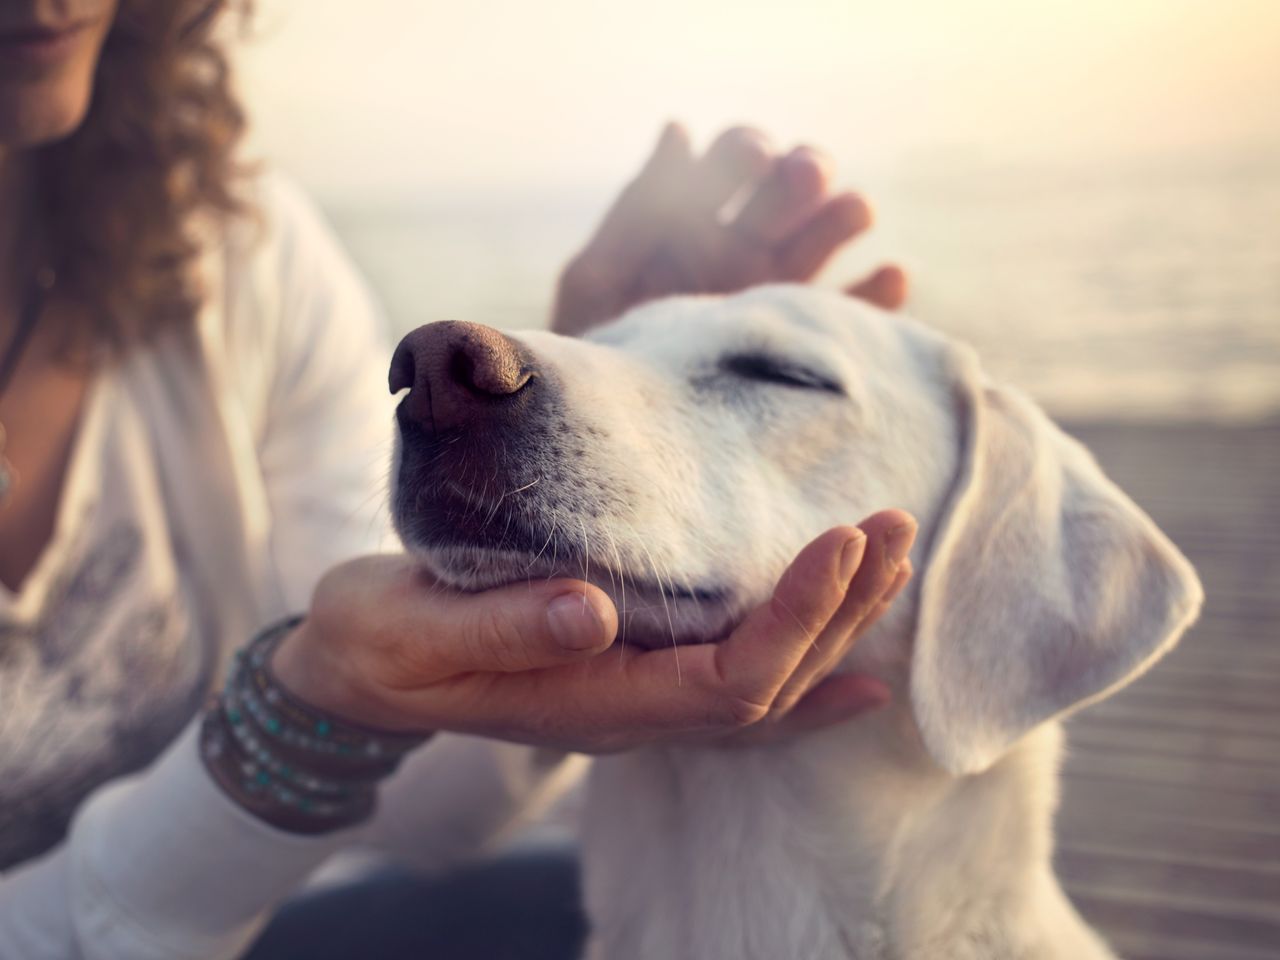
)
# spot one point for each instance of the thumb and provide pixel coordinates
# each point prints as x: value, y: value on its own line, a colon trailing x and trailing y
x: 521, y: 626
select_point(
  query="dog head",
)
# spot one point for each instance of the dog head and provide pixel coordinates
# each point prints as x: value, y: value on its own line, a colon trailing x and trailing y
x: 680, y: 457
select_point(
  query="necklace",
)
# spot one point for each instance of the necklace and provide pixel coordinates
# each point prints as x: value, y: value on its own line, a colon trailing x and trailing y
x: 28, y: 315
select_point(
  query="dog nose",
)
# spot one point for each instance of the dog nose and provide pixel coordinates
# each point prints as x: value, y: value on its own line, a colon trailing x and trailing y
x: 457, y: 372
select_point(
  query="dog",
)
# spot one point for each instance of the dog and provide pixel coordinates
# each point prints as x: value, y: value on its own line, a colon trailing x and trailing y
x: 679, y: 458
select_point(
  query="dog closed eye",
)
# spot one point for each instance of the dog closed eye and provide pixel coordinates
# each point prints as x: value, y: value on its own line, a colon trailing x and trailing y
x: 763, y: 368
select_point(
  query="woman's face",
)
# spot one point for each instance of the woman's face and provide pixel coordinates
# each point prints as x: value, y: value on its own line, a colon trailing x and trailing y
x: 48, y: 53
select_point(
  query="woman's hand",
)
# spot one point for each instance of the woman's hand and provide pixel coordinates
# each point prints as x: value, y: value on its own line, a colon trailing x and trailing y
x: 531, y: 663
x: 668, y: 232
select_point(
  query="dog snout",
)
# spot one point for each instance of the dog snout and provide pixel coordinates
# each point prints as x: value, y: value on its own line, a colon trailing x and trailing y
x: 459, y: 372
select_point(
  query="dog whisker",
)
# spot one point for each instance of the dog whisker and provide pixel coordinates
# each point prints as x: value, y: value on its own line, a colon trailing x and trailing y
x: 532, y: 483
x: 586, y: 552
x: 813, y: 641
x: 657, y: 576
x: 615, y: 559
x: 538, y: 556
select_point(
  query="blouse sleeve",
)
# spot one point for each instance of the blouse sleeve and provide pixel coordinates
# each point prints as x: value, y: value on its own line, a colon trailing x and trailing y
x: 162, y: 866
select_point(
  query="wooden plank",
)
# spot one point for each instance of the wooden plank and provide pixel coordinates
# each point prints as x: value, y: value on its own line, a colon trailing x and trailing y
x: 1158, y: 740
x: 1176, y: 717
x: 1254, y: 780
x: 1169, y: 830
x: 1230, y: 884
x: 1082, y: 825
x: 1160, y: 914
x: 1156, y: 947
x: 1202, y: 803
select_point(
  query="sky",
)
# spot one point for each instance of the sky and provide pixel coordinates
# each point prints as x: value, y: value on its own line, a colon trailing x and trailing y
x: 396, y: 98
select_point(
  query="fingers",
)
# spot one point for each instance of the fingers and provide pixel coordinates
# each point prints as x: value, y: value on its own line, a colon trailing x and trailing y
x: 709, y: 686
x: 736, y: 159
x: 516, y: 628
x: 905, y: 573
x: 808, y: 625
x: 886, y: 287
x: 787, y: 197
x: 698, y: 253
x: 890, y: 535
x: 833, y: 700
x: 624, y: 697
x: 758, y: 657
x: 634, y: 225
x: 801, y: 255
x: 600, y: 282
x: 665, y: 233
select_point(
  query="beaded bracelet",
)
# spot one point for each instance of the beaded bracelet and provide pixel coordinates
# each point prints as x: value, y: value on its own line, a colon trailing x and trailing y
x: 286, y: 762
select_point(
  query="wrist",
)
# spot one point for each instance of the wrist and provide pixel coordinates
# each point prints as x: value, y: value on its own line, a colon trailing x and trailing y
x: 290, y: 764
x: 303, y: 667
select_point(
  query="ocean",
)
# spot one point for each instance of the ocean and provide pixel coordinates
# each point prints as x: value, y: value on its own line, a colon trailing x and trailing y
x: 1133, y: 291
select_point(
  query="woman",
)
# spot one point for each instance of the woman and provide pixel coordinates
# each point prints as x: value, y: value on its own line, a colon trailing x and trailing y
x: 194, y: 432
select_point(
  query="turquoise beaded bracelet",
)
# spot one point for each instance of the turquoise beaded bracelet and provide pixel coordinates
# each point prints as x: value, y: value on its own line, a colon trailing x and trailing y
x: 285, y: 761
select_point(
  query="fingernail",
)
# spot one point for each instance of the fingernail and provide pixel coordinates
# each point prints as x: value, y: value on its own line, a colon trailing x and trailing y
x: 897, y: 543
x: 851, y: 555
x: 574, y: 622
x: 856, y: 211
x: 901, y: 581
x: 806, y: 170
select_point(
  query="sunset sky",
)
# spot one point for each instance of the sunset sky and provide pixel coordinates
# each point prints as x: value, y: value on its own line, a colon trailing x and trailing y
x: 387, y: 96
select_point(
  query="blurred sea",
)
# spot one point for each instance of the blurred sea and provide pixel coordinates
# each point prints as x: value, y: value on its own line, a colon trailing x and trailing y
x: 1136, y: 291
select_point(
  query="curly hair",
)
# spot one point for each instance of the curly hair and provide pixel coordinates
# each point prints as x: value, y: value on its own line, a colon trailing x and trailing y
x: 120, y: 194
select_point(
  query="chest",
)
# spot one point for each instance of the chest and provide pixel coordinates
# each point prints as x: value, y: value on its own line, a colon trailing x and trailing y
x: 39, y: 415
x: 738, y: 856
x: 100, y: 661
x: 844, y: 846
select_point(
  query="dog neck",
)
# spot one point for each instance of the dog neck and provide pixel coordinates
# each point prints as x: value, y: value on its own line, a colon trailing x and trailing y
x: 848, y: 844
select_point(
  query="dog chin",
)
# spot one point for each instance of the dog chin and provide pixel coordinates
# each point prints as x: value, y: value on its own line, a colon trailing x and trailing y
x: 479, y: 568
x: 648, y: 618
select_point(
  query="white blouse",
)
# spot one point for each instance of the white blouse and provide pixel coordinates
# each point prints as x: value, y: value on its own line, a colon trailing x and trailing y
x: 216, y: 475
x: 100, y: 665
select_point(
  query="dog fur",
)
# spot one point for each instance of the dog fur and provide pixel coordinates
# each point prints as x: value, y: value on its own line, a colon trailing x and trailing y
x: 679, y: 458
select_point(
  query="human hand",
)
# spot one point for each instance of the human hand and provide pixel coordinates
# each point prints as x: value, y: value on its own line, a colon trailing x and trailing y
x: 666, y: 233
x: 385, y: 646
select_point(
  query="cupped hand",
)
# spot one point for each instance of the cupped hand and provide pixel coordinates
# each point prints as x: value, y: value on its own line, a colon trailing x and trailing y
x: 385, y: 646
x: 737, y: 216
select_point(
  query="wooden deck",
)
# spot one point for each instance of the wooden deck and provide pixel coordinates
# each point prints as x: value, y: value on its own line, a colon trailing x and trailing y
x: 1169, y: 833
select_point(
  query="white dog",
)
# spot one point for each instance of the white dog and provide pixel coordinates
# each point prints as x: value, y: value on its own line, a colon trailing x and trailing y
x: 680, y: 458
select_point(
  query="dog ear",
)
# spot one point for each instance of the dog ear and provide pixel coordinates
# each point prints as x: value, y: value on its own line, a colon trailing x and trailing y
x: 1046, y: 588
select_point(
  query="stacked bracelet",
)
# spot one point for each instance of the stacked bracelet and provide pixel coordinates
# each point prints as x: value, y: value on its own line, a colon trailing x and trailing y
x: 286, y: 762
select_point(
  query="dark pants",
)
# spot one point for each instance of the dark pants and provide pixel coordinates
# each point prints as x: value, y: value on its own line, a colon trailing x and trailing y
x: 523, y: 907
